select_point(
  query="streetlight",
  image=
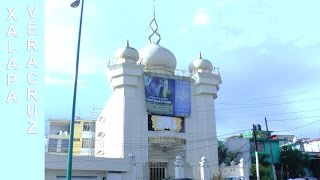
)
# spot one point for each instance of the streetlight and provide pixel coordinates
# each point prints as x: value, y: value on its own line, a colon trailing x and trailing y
x: 75, y: 4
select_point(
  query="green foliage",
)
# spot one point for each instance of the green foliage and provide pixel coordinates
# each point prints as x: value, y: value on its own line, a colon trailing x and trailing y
x: 226, y: 156
x: 264, y: 167
x: 295, y: 160
x: 262, y: 134
x: 222, y: 152
x: 264, y: 171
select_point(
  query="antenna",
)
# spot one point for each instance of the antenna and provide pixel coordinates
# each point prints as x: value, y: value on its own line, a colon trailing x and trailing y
x: 153, y: 22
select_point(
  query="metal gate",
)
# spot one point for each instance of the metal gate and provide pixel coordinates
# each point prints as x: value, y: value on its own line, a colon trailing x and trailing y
x: 157, y: 170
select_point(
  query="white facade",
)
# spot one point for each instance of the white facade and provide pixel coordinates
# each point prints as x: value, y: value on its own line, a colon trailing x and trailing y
x: 87, y: 168
x: 312, y: 146
x: 305, y: 145
x: 284, y: 139
x: 238, y: 171
x: 122, y: 127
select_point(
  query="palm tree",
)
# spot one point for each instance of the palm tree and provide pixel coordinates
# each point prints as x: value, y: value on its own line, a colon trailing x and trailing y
x: 226, y: 156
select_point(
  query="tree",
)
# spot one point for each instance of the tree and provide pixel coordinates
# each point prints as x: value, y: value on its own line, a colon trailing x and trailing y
x: 226, y: 156
x: 295, y: 160
x: 264, y: 167
x: 222, y: 152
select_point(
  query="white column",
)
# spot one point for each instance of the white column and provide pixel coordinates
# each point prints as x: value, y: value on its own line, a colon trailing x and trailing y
x: 241, y: 166
x: 204, y: 169
x: 133, y: 167
x: 244, y: 168
x: 178, y: 167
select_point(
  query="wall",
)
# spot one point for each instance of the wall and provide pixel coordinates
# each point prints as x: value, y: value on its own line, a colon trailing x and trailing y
x: 51, y: 174
x: 275, y: 150
x: 77, y: 145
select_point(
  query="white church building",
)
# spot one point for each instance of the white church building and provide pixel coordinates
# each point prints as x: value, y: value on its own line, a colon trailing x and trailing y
x: 157, y: 124
x: 158, y: 117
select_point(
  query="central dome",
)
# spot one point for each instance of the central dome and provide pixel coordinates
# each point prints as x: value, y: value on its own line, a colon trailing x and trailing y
x: 154, y: 55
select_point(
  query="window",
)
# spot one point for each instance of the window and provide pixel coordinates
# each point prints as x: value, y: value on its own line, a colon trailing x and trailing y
x: 89, y: 126
x: 64, y: 145
x: 52, y: 146
x: 76, y: 139
x: 260, y: 146
x: 87, y: 143
x: 77, y: 122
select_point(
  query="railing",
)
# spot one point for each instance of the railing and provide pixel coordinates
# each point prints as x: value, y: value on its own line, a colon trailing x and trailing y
x: 177, y: 72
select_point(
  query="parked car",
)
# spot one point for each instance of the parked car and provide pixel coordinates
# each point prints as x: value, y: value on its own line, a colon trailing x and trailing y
x: 310, y: 178
x: 305, y: 178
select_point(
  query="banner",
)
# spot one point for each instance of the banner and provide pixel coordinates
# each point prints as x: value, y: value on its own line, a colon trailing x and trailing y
x: 167, y: 94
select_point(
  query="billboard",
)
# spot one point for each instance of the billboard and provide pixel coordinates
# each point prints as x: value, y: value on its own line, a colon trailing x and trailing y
x: 167, y: 94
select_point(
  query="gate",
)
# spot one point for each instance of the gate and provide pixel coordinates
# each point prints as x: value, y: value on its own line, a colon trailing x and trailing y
x: 157, y: 170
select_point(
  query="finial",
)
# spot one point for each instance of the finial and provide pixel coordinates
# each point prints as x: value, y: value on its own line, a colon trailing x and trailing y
x: 155, y: 30
x: 127, y: 45
x: 200, y: 56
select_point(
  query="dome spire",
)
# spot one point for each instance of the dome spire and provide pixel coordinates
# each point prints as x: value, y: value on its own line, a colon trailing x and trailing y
x: 126, y: 54
x: 200, y: 56
x: 154, y: 29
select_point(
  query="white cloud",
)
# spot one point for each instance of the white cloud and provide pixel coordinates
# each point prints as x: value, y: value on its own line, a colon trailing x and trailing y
x: 255, y: 21
x: 55, y: 80
x: 49, y: 80
x: 201, y: 17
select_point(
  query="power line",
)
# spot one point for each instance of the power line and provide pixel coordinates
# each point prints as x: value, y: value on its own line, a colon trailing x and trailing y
x: 267, y: 103
x: 294, y: 118
x: 264, y: 115
x: 299, y: 126
x: 270, y: 104
x: 215, y: 144
x: 268, y: 97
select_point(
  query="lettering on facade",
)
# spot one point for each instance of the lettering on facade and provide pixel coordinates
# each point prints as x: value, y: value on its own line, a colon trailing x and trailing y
x: 166, y: 139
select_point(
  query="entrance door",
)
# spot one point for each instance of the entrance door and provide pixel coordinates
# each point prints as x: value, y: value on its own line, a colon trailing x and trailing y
x: 157, y: 170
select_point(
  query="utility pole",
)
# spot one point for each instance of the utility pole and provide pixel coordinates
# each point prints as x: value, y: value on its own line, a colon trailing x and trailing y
x: 271, y: 154
x: 256, y: 151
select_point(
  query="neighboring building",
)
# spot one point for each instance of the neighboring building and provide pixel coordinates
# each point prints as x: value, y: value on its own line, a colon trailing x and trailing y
x: 157, y: 114
x: 58, y: 137
x: 246, y: 147
x: 284, y: 139
x: 310, y: 147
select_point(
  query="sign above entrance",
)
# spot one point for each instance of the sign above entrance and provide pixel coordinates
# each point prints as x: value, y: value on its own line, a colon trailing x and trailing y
x: 167, y: 94
x: 166, y: 139
x: 161, y: 123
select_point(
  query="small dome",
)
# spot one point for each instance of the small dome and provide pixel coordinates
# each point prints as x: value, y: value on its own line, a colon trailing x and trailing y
x: 127, y: 53
x: 200, y: 63
x: 154, y: 55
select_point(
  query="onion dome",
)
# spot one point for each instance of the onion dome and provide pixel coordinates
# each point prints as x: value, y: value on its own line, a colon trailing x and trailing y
x: 200, y: 63
x: 127, y: 53
x: 156, y: 56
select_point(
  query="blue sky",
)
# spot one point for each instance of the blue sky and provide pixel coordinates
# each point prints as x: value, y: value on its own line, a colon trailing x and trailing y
x: 267, y: 52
